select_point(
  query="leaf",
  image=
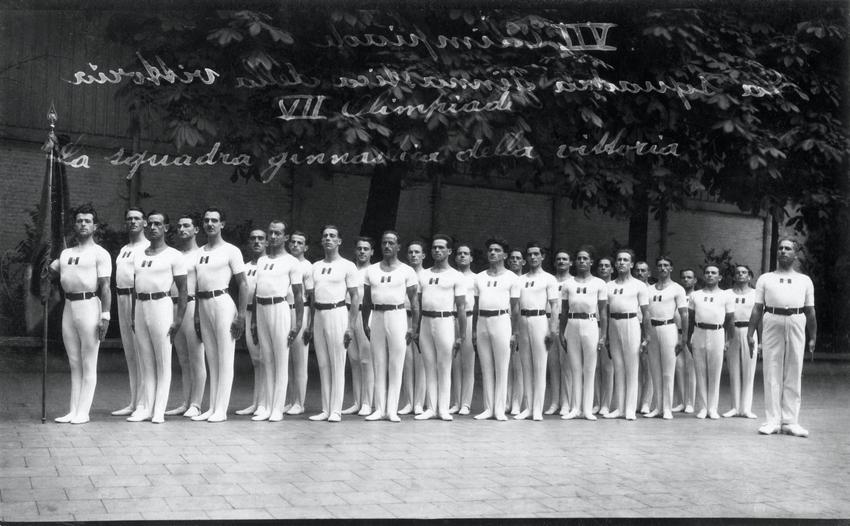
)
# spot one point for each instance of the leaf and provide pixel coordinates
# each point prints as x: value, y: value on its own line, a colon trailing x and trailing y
x: 225, y: 36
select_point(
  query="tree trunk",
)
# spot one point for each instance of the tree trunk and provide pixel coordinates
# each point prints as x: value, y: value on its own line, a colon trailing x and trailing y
x: 663, y: 229
x: 638, y: 222
x: 382, y: 203
x: 436, y: 200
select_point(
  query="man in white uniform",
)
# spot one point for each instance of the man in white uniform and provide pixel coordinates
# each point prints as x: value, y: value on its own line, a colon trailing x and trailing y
x: 740, y: 362
x: 413, y: 381
x: 516, y: 264
x: 666, y: 298
x: 583, y: 329
x: 220, y: 320
x: 387, y: 285
x: 297, y: 349
x: 560, y: 379
x: 686, y: 377
x: 604, y: 388
x: 187, y: 342
x: 710, y: 311
x: 277, y: 271
x: 443, y: 327
x: 495, y: 320
x: 257, y: 249
x: 627, y: 297
x: 645, y: 387
x: 538, y: 329
x: 83, y: 272
x: 785, y: 304
x: 463, y: 365
x: 155, y: 324
x: 359, y: 350
x: 134, y: 222
x: 331, y: 325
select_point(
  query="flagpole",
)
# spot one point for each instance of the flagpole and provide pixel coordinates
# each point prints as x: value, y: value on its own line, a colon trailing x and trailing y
x: 52, y: 117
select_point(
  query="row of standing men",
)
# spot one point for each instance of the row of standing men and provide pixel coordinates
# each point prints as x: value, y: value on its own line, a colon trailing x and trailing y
x: 405, y: 325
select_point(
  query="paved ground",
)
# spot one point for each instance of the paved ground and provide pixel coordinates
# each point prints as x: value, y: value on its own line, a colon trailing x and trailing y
x: 113, y: 470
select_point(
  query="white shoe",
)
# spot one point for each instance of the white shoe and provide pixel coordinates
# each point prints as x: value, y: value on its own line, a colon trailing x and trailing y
x: 796, y: 430
x: 425, y: 415
x: 321, y: 417
x: 365, y: 410
x: 769, y: 429
x: 730, y: 413
x: 464, y: 410
x: 678, y: 408
x: 351, y: 410
x: 689, y: 409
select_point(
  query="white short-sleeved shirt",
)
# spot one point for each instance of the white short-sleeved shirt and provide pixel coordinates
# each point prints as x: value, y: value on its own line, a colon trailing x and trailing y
x: 155, y: 273
x: 711, y: 307
x: 361, y: 276
x: 469, y: 287
x: 215, y: 267
x: 628, y: 296
x: 251, y: 276
x: 536, y: 290
x: 584, y: 296
x: 331, y: 280
x: 124, y: 263
x: 390, y: 288
x: 495, y: 292
x: 665, y: 303
x: 306, y: 279
x: 79, y: 268
x: 439, y: 289
x: 276, y: 274
x: 743, y: 303
x: 785, y: 290
x: 189, y: 259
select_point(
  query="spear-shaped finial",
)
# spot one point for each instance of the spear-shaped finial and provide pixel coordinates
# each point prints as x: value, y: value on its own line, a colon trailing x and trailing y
x: 52, y: 116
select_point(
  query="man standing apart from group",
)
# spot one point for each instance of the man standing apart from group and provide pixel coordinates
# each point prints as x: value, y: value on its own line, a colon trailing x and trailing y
x: 666, y: 340
x: 83, y: 272
x: 388, y: 283
x: 627, y: 296
x: 155, y: 322
x: 443, y: 298
x: 220, y: 320
x: 538, y: 329
x: 785, y: 304
x: 463, y: 366
x: 257, y: 249
x: 583, y: 330
x: 331, y: 325
x: 710, y: 311
x: 495, y: 320
x: 134, y: 222
x: 187, y: 342
x: 277, y: 271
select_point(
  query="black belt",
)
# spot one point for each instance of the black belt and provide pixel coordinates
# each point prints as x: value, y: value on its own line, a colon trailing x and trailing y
x: 784, y: 312
x: 742, y: 324
x: 207, y: 294
x: 176, y: 299
x: 487, y: 313
x: 77, y: 296
x: 124, y: 292
x: 147, y: 296
x: 381, y: 307
x: 329, y: 306
x: 581, y: 315
x: 622, y: 315
x: 469, y: 313
x: 271, y: 300
x: 709, y: 326
x: 658, y: 323
x: 532, y: 312
x: 438, y: 313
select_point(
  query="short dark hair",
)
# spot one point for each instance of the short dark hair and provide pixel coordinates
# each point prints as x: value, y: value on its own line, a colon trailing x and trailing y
x: 333, y: 226
x: 497, y: 241
x: 567, y: 252
x: 366, y: 239
x: 216, y: 209
x: 165, y: 219
x: 688, y: 269
x: 533, y: 244
x: 302, y: 234
x: 467, y: 245
x: 280, y: 221
x: 134, y: 209
x: 417, y: 242
x: 449, y: 241
x: 191, y: 216
x: 706, y: 267
x: 641, y: 262
x: 588, y: 249
x: 793, y: 242
x: 87, y: 208
x: 393, y: 232
x: 749, y: 270
x: 606, y: 258
x: 663, y: 257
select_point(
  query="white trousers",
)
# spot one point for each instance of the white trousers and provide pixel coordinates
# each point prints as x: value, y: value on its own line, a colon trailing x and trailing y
x: 128, y: 342
x: 216, y: 316
x: 463, y: 370
x: 533, y: 354
x: 742, y: 370
x: 436, y: 339
x: 273, y: 323
x: 783, y: 348
x: 662, y: 363
x: 708, y: 362
x: 388, y: 330
x: 80, y: 322
x: 582, y: 340
x: 328, y: 333
x: 190, y: 354
x: 624, y: 342
x: 494, y: 354
x: 153, y: 319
